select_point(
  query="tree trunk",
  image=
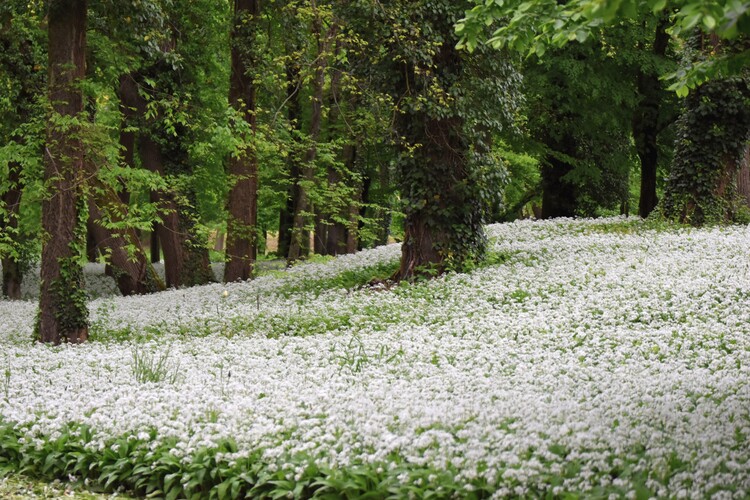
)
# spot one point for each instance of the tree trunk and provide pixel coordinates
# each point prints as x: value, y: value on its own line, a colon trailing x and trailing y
x: 11, y: 201
x: 219, y: 242
x: 127, y: 137
x: 299, y: 241
x: 127, y: 262
x: 320, y: 235
x: 559, y: 197
x: 646, y: 123
x: 712, y: 135
x: 294, y: 114
x: 428, y: 231
x: 63, y: 311
x: 743, y: 178
x: 154, y: 247
x: 241, y: 248
x: 383, y: 212
x: 186, y: 262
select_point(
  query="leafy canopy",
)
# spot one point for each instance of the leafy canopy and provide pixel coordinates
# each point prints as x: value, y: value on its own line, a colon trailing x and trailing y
x: 532, y: 27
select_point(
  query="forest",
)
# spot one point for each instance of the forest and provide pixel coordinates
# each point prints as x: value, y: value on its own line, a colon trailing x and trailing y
x: 204, y: 131
x: 500, y: 245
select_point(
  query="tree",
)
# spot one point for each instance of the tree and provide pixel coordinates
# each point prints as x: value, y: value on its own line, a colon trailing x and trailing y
x: 584, y: 163
x: 170, y: 104
x: 63, y: 312
x: 23, y: 78
x: 243, y: 166
x: 712, y: 134
x: 449, y: 105
x: 648, y: 119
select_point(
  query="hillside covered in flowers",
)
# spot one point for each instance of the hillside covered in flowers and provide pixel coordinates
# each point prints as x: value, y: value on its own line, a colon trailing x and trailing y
x: 591, y: 357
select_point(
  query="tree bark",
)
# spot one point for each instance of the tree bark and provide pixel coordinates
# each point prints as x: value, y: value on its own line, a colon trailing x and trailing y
x: 154, y: 248
x: 743, y: 178
x: 427, y: 234
x: 62, y: 303
x: 294, y: 114
x: 338, y: 233
x: 241, y: 248
x: 186, y: 261
x: 383, y: 212
x: 646, y: 123
x: 559, y: 197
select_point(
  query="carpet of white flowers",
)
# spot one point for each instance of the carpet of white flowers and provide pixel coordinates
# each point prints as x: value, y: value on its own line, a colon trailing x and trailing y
x: 590, y: 356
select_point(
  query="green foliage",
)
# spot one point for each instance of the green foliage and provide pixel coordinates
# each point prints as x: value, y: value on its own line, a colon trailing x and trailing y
x: 147, y: 470
x: 22, y: 80
x: 533, y: 27
x: 523, y: 186
x: 154, y: 367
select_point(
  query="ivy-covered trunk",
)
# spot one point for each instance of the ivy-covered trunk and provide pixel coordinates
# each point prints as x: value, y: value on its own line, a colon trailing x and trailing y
x: 443, y: 225
x: 12, y: 267
x: 447, y: 181
x: 646, y: 123
x: 63, y: 311
x: 243, y: 166
x: 712, y: 133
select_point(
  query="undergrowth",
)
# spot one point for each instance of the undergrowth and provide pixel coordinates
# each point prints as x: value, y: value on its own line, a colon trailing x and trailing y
x: 143, y: 469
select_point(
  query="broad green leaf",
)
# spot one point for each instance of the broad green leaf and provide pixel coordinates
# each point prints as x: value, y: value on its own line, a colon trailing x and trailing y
x: 658, y: 5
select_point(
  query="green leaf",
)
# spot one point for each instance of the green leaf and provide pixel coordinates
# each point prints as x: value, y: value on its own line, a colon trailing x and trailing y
x: 658, y: 5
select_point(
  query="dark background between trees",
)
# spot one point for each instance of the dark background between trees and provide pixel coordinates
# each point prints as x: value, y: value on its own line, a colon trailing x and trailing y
x: 192, y: 131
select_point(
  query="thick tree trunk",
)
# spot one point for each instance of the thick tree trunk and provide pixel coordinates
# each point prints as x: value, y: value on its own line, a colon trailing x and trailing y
x: 427, y: 230
x: 63, y: 311
x: 11, y: 201
x: 241, y: 247
x: 559, y: 197
x: 646, y: 123
x: 712, y: 132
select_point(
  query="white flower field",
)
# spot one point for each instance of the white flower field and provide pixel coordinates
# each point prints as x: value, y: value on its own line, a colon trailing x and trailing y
x: 589, y: 358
